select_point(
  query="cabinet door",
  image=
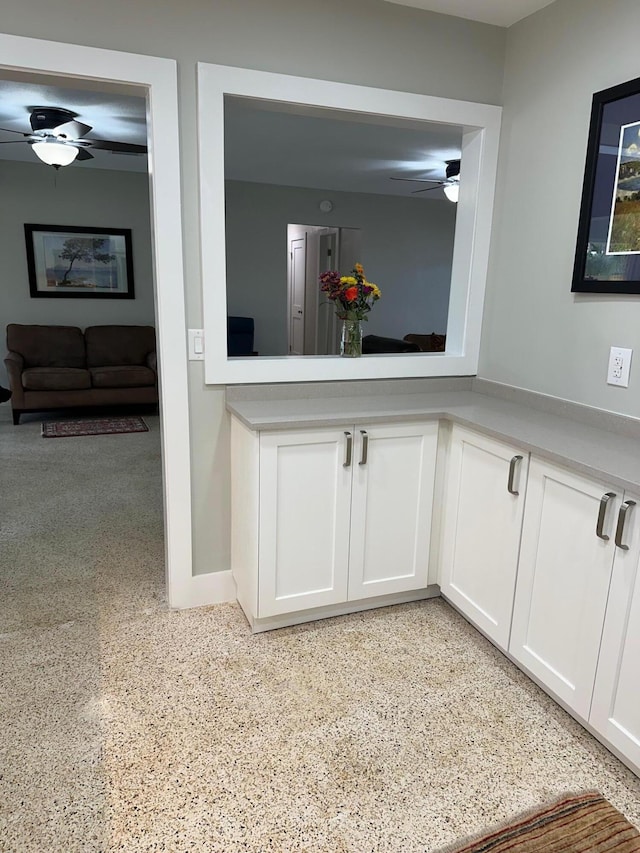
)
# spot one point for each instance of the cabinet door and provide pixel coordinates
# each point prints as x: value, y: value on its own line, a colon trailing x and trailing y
x: 305, y: 494
x: 483, y: 505
x: 563, y: 581
x: 615, y: 711
x: 392, y: 501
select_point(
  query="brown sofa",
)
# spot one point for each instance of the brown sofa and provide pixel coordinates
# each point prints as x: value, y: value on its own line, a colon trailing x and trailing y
x: 54, y: 367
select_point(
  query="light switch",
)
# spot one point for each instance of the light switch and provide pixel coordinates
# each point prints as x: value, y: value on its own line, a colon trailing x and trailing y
x: 196, y: 344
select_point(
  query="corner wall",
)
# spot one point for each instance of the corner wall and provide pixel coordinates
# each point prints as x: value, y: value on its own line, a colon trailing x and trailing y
x: 537, y: 334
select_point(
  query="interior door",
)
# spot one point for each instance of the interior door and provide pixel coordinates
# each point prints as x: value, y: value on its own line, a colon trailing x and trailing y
x: 297, y: 279
x: 327, y: 337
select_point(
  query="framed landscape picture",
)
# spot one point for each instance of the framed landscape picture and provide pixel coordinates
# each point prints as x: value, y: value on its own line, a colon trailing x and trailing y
x: 608, y: 246
x: 65, y: 261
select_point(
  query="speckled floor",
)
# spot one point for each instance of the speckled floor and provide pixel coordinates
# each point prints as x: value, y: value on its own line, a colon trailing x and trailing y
x: 126, y: 727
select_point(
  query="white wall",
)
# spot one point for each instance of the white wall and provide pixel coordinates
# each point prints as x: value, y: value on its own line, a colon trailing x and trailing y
x: 34, y: 193
x: 537, y: 334
x: 369, y: 42
x: 407, y: 250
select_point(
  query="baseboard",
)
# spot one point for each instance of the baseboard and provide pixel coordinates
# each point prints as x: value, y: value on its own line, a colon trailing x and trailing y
x: 343, y: 609
x: 204, y: 590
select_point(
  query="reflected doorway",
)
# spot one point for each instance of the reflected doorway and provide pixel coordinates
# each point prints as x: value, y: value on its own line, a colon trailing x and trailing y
x: 312, y: 325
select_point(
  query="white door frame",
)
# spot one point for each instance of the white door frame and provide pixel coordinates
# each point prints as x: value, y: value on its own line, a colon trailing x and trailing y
x: 159, y: 76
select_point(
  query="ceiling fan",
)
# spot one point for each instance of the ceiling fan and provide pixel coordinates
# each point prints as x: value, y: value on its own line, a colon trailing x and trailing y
x: 450, y: 185
x: 57, y: 138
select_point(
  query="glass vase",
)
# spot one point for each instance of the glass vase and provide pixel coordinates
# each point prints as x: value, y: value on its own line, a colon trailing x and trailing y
x: 351, y: 340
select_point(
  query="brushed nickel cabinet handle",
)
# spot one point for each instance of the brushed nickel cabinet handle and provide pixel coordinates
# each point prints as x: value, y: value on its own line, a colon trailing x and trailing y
x: 512, y: 475
x: 348, y: 451
x: 365, y: 447
x: 602, y: 512
x: 622, y: 517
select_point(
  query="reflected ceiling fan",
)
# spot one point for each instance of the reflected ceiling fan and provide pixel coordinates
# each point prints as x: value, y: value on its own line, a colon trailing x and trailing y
x: 57, y: 138
x: 450, y: 185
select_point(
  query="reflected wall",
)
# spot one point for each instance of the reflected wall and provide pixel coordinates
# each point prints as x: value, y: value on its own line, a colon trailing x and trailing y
x: 407, y: 252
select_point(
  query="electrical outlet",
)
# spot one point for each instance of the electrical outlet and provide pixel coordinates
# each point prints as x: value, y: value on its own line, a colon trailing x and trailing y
x: 619, y: 366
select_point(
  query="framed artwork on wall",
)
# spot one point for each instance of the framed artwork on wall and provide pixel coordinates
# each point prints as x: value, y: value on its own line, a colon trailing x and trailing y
x: 608, y: 246
x: 71, y: 262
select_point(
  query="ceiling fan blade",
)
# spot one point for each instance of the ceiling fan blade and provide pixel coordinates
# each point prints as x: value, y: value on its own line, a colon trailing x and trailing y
x: 83, y: 154
x: 123, y: 147
x: 8, y: 130
x: 417, y: 180
x: 428, y: 189
x: 72, y: 129
x: 11, y: 141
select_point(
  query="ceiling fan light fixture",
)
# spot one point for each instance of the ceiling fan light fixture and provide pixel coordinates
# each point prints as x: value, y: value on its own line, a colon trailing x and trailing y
x: 55, y: 153
x: 452, y: 191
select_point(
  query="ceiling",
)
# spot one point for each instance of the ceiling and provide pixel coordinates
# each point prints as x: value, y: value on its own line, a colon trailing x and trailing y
x: 502, y: 13
x: 266, y: 142
x: 116, y: 113
x: 294, y: 146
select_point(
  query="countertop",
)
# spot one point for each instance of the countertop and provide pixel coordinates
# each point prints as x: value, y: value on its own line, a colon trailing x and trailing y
x: 593, y: 451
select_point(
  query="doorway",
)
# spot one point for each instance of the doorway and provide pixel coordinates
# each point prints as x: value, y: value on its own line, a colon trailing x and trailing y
x: 157, y: 79
x: 312, y: 325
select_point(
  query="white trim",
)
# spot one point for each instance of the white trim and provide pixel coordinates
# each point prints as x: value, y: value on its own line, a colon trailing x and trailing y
x: 481, y: 124
x: 342, y: 609
x: 212, y: 588
x: 159, y: 77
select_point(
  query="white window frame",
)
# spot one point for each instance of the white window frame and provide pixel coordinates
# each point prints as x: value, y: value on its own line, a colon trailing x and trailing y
x: 481, y: 129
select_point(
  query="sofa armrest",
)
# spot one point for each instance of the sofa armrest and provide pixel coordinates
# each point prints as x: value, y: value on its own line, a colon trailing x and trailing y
x: 152, y: 362
x: 14, y: 363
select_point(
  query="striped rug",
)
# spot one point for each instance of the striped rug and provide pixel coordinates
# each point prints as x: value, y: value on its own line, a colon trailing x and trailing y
x: 93, y: 426
x: 575, y: 823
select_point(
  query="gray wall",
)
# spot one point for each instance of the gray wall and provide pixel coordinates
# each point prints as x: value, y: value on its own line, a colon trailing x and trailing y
x: 34, y: 193
x: 536, y: 333
x: 407, y: 250
x: 368, y: 42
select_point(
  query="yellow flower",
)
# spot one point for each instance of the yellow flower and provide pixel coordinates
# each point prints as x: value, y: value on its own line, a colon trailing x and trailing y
x: 376, y: 290
x: 359, y: 268
x: 348, y: 279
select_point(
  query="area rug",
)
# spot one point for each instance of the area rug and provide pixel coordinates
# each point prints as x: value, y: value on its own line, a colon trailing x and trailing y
x: 93, y: 426
x: 575, y: 823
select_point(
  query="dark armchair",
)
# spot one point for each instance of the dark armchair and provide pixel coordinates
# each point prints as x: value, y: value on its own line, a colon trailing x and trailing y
x: 240, y: 332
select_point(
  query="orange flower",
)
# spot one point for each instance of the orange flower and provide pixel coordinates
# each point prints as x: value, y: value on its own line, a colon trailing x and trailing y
x: 359, y: 269
x: 351, y: 294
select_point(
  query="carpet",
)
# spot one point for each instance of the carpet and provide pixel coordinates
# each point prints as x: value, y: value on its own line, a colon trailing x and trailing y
x: 93, y: 426
x: 575, y: 823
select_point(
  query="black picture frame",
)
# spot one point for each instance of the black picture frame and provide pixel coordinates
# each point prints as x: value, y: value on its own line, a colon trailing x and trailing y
x: 607, y: 256
x: 74, y: 262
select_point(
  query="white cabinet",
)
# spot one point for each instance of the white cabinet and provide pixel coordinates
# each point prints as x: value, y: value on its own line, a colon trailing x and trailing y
x: 566, y: 561
x: 391, y: 506
x: 305, y: 504
x: 325, y: 516
x: 483, y: 505
x: 615, y: 710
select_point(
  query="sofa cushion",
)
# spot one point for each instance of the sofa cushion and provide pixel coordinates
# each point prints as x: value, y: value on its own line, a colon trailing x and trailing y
x: 55, y: 379
x: 429, y: 343
x: 122, y: 376
x: 47, y: 346
x: 117, y: 345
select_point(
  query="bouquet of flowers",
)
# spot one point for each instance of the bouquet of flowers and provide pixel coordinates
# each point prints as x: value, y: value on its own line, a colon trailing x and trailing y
x: 352, y: 294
